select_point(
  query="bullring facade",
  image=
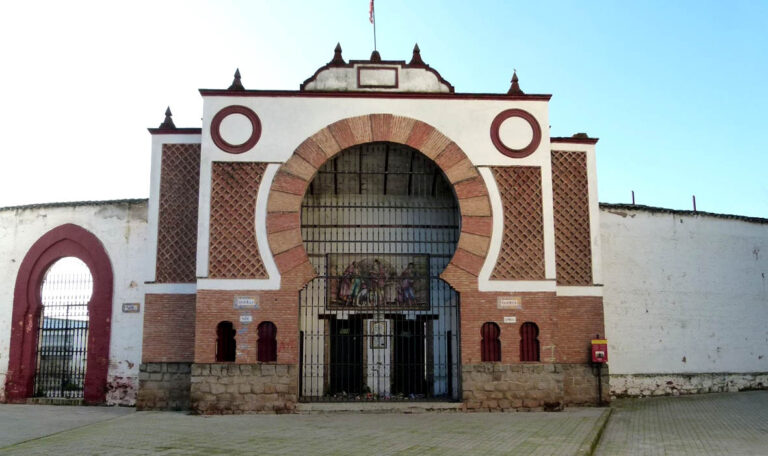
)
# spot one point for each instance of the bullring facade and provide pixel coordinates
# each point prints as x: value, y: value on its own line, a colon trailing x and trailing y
x: 374, y: 236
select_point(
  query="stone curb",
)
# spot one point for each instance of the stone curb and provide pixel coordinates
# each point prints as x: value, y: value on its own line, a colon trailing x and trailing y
x: 590, y: 442
x: 377, y: 407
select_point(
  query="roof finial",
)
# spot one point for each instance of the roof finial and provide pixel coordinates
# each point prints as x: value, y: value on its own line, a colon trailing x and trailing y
x: 375, y: 56
x: 515, y: 88
x: 416, y: 59
x: 236, y: 84
x: 168, y: 122
x: 337, y: 58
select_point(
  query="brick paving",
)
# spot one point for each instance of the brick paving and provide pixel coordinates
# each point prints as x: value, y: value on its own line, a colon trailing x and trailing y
x: 169, y: 433
x: 708, y: 424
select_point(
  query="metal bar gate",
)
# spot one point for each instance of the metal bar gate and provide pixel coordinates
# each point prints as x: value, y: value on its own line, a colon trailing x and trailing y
x: 380, y: 223
x: 63, y: 335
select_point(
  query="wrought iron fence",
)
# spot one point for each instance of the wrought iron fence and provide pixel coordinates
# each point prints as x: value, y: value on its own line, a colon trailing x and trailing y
x: 380, y: 223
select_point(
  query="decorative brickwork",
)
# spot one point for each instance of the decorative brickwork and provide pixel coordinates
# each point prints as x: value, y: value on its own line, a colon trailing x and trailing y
x: 163, y: 386
x: 242, y: 388
x: 571, y: 209
x: 566, y: 325
x: 522, y: 247
x: 496, y: 386
x: 177, y: 220
x: 279, y: 307
x: 286, y: 193
x: 234, y: 252
x: 168, y: 319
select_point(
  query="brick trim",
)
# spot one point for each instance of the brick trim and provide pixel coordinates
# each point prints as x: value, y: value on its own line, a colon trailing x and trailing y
x: 63, y: 241
x: 296, y: 173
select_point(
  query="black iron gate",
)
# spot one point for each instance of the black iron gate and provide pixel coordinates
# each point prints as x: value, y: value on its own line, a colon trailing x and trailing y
x: 63, y: 334
x: 380, y: 223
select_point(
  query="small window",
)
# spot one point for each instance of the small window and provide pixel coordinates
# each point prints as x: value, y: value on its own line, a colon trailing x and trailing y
x: 267, y: 343
x: 225, y: 342
x: 529, y: 342
x: 491, y: 345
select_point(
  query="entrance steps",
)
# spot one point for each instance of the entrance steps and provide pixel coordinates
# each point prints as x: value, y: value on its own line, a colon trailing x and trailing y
x: 54, y: 401
x: 377, y: 407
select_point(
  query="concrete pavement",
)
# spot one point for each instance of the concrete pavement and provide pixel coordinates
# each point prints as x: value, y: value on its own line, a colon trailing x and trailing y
x: 727, y: 423
x: 168, y: 433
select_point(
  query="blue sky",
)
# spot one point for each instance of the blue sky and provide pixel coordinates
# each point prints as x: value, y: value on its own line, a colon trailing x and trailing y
x: 674, y: 90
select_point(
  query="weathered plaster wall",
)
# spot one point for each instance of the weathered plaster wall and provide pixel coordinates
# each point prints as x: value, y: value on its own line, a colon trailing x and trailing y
x: 122, y: 228
x: 685, y: 294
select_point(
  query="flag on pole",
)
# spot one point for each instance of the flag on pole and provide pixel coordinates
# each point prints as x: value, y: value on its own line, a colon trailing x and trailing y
x: 371, y: 13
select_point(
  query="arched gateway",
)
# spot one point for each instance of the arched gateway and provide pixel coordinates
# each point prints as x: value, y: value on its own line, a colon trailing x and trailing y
x: 32, y: 325
x: 356, y: 235
x: 380, y: 223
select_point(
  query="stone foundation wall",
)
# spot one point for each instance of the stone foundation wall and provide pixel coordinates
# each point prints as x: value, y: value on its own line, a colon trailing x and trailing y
x: 496, y: 386
x: 639, y: 385
x: 163, y: 386
x: 244, y: 388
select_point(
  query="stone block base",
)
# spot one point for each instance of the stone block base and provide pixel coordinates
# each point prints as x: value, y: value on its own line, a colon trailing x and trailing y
x: 639, y: 385
x: 163, y: 386
x: 225, y: 388
x: 495, y: 386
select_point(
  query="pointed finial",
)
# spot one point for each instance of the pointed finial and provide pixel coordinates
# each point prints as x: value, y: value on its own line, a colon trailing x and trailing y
x: 236, y: 84
x: 168, y: 122
x: 375, y: 56
x: 416, y: 59
x: 515, y: 88
x: 337, y: 58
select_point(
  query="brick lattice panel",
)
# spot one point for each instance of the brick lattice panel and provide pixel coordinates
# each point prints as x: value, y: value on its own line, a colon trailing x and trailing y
x: 177, y: 221
x: 234, y: 252
x: 522, y: 247
x: 571, y: 209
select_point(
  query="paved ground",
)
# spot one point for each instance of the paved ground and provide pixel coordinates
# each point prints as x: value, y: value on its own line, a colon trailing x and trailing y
x: 166, y: 433
x: 19, y: 423
x: 707, y: 424
x: 730, y: 423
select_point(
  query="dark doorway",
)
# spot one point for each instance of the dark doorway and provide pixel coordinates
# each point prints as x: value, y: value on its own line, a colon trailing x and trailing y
x: 410, y: 376
x: 226, y: 346
x: 346, y: 357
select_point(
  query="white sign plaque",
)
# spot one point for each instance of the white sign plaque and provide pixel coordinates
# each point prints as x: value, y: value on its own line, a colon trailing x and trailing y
x: 509, y: 302
x: 510, y: 319
x: 131, y: 307
x: 246, y: 319
x: 246, y: 302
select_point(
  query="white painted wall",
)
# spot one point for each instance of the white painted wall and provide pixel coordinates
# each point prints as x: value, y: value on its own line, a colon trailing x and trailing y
x: 684, y: 293
x: 122, y: 229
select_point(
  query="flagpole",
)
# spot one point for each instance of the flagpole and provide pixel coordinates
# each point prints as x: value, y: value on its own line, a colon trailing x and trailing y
x: 372, y: 17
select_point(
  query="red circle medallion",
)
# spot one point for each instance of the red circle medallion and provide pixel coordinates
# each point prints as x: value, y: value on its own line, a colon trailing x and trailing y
x: 515, y: 153
x: 221, y: 143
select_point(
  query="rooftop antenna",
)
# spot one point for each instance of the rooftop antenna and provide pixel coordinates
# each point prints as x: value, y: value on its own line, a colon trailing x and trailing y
x: 372, y: 18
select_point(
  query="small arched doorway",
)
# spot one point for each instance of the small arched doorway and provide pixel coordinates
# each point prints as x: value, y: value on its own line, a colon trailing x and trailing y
x: 380, y: 222
x: 29, y: 314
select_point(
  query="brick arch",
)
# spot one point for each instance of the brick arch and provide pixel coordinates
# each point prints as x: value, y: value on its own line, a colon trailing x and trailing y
x: 64, y: 241
x: 293, y: 178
